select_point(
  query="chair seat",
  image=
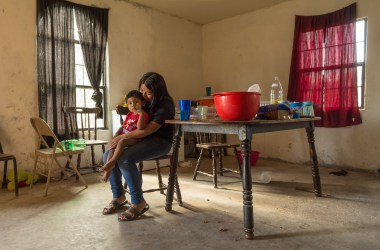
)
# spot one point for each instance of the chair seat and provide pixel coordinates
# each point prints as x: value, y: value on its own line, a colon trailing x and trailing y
x: 216, y: 145
x: 161, y: 158
x: 6, y: 157
x: 95, y: 142
x: 58, y: 152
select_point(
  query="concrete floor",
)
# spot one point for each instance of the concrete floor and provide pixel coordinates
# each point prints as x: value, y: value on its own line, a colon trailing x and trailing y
x: 286, y: 212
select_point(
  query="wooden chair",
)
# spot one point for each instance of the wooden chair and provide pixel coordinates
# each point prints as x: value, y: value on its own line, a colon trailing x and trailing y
x: 5, y: 158
x: 77, y: 125
x: 53, y: 152
x: 214, y: 143
x: 161, y: 186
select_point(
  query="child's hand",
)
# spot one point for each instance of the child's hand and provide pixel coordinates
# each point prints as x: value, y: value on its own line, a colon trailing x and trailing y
x: 106, y: 176
x: 139, y: 109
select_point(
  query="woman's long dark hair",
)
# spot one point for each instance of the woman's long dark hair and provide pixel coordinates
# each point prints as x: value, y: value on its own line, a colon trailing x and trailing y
x: 156, y: 83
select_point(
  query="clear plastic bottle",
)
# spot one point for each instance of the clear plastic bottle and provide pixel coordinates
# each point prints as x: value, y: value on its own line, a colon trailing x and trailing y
x: 276, y: 91
x: 266, y: 177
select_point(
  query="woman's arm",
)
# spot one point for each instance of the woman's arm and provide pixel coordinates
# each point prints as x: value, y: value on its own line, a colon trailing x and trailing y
x: 141, y: 123
x: 150, y: 128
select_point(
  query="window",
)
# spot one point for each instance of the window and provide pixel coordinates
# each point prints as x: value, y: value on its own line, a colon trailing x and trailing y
x: 360, y: 57
x: 361, y: 42
x: 324, y: 66
x: 83, y: 89
x: 62, y: 78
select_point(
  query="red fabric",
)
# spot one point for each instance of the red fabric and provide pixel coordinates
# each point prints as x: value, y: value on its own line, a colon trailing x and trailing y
x: 130, y: 121
x: 323, y: 68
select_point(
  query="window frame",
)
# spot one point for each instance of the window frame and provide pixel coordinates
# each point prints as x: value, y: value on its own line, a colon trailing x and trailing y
x: 361, y: 89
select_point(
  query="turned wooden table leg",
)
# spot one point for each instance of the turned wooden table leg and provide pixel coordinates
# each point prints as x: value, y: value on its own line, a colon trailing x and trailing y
x: 314, y: 160
x: 247, y: 189
x: 173, y: 168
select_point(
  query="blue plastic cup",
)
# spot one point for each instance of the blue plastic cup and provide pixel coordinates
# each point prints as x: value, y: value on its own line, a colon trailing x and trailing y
x: 184, y: 107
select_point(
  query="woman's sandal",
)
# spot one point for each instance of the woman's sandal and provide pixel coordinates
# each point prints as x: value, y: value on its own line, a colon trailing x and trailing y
x: 113, y: 206
x: 132, y: 213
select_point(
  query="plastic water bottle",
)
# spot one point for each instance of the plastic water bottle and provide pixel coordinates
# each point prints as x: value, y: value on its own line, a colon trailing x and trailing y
x: 276, y: 91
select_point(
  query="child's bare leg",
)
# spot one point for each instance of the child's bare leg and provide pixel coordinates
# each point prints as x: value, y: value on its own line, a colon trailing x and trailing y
x: 106, y: 175
x: 117, y: 153
x: 111, y: 152
x: 109, y: 157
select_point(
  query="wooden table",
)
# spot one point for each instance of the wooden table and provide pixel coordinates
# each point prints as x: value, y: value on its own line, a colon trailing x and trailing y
x: 244, y: 130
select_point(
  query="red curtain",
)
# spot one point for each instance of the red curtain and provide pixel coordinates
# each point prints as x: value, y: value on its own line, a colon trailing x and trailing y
x: 323, y: 68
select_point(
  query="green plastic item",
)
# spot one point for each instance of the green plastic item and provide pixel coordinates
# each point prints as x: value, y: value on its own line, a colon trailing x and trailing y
x: 73, y: 144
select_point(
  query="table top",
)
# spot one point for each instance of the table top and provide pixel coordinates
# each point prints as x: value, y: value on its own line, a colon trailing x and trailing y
x: 220, y: 121
x: 242, y: 128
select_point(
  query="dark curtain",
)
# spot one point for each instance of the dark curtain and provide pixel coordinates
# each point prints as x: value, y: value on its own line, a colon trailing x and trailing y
x: 55, y: 55
x: 93, y: 31
x: 323, y: 68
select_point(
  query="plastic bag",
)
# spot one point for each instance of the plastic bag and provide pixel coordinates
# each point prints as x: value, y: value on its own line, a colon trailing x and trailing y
x: 274, y: 112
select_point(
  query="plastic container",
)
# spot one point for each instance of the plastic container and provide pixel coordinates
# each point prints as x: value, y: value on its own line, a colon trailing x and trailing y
x: 266, y: 177
x: 307, y: 109
x: 79, y: 144
x: 237, y: 106
x: 276, y: 94
x: 211, y: 112
x: 254, y: 157
x: 202, y: 112
x: 297, y: 108
x: 68, y: 144
x: 185, y: 108
x: 206, y: 101
x: 208, y: 91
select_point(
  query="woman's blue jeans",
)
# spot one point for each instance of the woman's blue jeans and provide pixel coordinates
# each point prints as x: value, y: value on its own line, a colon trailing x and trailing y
x: 148, y: 148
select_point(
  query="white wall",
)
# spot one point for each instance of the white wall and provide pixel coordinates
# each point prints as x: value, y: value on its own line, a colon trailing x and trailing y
x: 230, y: 54
x: 18, y: 78
x: 254, y: 47
x: 140, y: 40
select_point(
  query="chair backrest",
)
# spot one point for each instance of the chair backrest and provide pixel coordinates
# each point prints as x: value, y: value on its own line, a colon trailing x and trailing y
x: 120, y: 110
x: 85, y: 116
x: 205, y: 138
x: 43, y: 129
x: 1, y: 149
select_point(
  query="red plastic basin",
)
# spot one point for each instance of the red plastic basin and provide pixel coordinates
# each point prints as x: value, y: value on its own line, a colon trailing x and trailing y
x: 254, y: 157
x: 237, y: 106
